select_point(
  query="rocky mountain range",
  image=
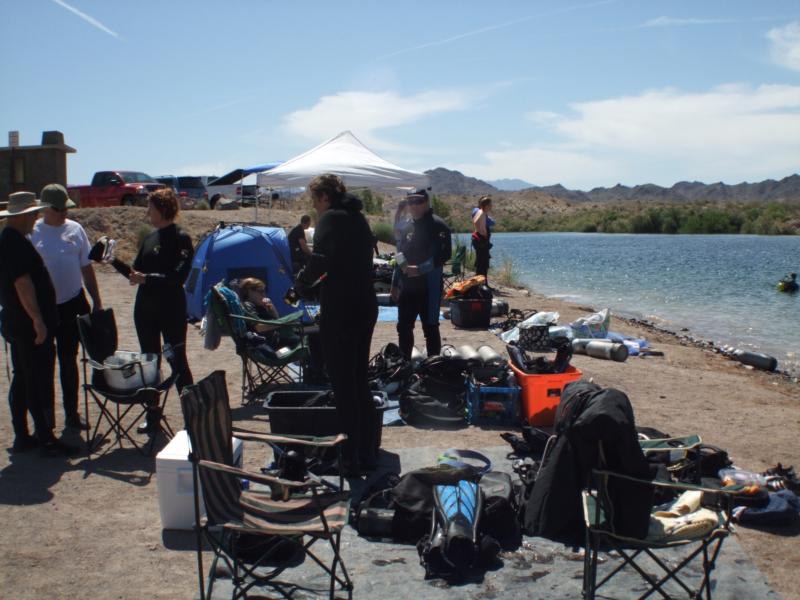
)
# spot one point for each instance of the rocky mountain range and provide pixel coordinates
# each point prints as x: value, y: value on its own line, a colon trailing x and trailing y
x: 447, y: 182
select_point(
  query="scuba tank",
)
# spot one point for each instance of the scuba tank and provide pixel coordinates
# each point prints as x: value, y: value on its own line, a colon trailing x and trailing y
x: 417, y: 357
x: 499, y: 308
x: 490, y: 357
x: 604, y: 349
x: 449, y: 351
x: 756, y: 359
x: 469, y: 354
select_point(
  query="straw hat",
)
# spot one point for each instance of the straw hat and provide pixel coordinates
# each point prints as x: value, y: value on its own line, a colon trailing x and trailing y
x: 20, y: 203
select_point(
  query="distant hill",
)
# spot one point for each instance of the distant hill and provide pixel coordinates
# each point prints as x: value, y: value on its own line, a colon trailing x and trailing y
x: 510, y: 185
x: 768, y: 190
x: 447, y: 182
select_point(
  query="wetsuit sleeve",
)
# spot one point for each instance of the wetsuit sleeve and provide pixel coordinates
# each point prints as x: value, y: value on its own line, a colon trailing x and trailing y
x: 325, y: 244
x: 178, y: 265
x: 443, y: 245
x: 173, y: 267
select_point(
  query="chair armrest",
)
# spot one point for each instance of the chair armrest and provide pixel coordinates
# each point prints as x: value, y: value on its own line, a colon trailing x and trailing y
x: 290, y: 320
x: 302, y: 440
x: 668, y: 444
x: 257, y: 477
x: 686, y: 487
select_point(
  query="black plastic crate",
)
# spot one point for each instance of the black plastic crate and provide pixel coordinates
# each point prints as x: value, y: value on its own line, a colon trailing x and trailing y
x: 471, y: 313
x: 287, y: 413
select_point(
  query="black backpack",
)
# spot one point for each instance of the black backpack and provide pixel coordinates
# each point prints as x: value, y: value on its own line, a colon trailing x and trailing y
x: 436, y: 397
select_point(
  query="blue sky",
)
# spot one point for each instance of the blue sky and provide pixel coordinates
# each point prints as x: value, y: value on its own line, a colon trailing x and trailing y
x: 580, y: 93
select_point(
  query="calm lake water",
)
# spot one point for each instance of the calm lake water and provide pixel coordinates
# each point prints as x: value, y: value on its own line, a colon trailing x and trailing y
x: 720, y: 287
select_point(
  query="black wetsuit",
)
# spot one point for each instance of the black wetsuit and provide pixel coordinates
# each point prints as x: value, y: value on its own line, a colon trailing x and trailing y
x: 165, y: 258
x: 299, y: 258
x: 427, y: 244
x: 343, y: 248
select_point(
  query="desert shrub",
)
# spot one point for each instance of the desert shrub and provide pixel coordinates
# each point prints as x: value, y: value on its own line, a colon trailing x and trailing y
x: 440, y: 208
x: 384, y: 232
x: 373, y: 204
x: 202, y: 205
x: 506, y: 274
x: 142, y: 232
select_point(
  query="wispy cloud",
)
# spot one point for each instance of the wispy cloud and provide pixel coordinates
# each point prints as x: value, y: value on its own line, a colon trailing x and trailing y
x: 365, y: 113
x: 88, y: 18
x: 483, y: 30
x: 729, y: 133
x: 786, y: 45
x: 221, y: 106
x: 679, y: 22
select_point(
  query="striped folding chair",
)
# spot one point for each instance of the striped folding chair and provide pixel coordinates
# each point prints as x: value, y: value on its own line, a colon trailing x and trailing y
x: 256, y: 533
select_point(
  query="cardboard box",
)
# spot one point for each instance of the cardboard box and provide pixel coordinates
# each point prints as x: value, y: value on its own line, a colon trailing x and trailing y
x: 175, y: 482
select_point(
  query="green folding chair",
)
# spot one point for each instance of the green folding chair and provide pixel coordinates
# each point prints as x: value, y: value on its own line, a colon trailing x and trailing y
x: 261, y: 368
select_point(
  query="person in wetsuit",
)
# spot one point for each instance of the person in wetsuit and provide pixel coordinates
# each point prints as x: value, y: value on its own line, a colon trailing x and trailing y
x: 789, y: 283
x: 343, y: 246
x: 426, y: 244
x: 160, y: 269
x: 298, y: 248
x: 481, y: 233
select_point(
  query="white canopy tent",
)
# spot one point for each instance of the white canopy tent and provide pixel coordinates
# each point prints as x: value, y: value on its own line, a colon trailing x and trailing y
x: 347, y: 157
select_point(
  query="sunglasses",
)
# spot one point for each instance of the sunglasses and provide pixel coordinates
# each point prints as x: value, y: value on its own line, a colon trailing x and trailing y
x: 416, y: 200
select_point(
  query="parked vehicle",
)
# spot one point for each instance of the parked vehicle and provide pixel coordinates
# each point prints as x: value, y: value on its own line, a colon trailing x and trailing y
x: 115, y: 188
x: 190, y: 190
x: 232, y: 187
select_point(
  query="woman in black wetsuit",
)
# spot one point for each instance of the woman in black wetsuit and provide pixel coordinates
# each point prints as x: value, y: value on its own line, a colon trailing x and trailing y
x: 159, y: 270
x: 343, y: 245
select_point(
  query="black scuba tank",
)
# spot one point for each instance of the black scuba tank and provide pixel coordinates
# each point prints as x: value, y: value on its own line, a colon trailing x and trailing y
x: 756, y: 359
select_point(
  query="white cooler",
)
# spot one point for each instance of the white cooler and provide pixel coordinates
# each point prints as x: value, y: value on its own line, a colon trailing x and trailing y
x: 175, y: 485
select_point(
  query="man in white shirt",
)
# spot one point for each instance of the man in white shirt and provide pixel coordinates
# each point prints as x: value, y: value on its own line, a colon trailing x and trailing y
x: 64, y: 247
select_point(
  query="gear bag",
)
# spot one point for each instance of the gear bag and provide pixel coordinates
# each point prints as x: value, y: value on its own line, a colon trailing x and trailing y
x: 437, y: 397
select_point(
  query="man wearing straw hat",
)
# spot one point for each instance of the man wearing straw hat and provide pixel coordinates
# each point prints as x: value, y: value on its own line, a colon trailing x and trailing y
x: 29, y: 319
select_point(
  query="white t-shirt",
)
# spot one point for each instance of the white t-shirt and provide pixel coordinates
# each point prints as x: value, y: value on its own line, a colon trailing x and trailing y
x: 64, y: 249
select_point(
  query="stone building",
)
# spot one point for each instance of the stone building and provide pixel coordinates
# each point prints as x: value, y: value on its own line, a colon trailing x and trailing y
x: 30, y: 168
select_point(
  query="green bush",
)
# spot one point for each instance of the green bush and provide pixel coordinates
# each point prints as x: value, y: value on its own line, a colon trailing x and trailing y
x: 506, y: 274
x: 440, y: 208
x: 202, y: 205
x: 384, y: 232
x: 373, y: 204
x: 142, y: 232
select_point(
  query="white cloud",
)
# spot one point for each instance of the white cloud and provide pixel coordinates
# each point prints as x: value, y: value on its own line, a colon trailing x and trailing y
x: 786, y: 45
x: 364, y: 113
x: 683, y: 22
x: 541, y: 166
x: 730, y: 133
x: 88, y: 18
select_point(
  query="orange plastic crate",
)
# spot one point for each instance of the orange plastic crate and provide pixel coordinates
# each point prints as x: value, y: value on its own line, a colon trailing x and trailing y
x: 540, y: 394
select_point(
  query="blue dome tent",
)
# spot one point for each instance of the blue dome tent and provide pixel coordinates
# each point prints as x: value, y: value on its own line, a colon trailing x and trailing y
x: 237, y: 251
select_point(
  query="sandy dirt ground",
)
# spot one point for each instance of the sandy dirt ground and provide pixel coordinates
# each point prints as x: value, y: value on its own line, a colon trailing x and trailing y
x: 90, y: 527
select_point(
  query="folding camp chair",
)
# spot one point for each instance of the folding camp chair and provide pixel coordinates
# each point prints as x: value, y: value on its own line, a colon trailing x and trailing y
x: 261, y: 368
x: 456, y: 272
x: 120, y: 411
x: 598, y: 512
x: 257, y: 534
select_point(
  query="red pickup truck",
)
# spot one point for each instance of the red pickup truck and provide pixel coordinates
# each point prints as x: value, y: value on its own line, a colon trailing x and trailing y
x: 115, y: 188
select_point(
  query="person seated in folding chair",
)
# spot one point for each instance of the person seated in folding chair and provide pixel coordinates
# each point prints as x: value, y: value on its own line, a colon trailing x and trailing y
x: 256, y: 305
